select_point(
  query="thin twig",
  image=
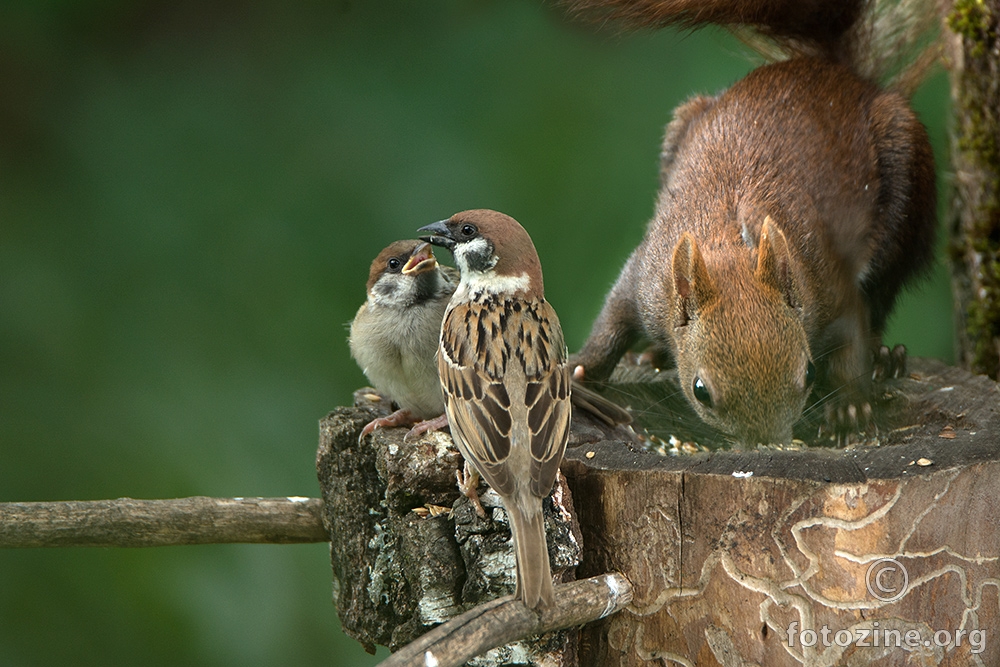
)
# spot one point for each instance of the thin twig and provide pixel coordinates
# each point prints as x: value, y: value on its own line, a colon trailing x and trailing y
x: 506, y: 620
x: 126, y: 522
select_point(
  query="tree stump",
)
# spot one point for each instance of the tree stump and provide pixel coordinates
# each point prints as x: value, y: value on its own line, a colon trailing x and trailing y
x: 409, y: 552
x: 881, y: 553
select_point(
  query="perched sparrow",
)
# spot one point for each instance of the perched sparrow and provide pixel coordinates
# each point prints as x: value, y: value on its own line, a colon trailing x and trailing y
x: 394, y: 336
x: 503, y: 367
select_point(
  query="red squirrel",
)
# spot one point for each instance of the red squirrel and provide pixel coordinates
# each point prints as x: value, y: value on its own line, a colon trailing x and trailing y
x: 793, y: 208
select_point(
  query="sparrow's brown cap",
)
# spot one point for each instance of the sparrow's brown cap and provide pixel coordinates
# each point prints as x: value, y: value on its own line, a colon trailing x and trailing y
x: 410, y: 257
x: 512, y: 252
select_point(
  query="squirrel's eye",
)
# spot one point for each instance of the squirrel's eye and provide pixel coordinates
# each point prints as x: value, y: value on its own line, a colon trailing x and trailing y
x: 468, y: 230
x: 701, y: 392
x: 810, y: 374
x: 394, y: 264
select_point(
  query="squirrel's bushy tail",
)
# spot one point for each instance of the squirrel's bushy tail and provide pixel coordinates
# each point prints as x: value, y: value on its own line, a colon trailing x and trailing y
x: 885, y: 40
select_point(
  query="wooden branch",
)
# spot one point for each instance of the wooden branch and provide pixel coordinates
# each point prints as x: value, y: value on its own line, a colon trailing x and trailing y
x: 504, y: 620
x: 157, y: 523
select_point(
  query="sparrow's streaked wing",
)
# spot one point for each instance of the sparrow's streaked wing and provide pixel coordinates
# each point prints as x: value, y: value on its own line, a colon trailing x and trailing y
x: 502, y: 365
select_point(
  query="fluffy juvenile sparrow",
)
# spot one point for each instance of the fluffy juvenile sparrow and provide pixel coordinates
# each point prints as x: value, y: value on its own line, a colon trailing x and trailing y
x: 503, y: 367
x: 394, y: 336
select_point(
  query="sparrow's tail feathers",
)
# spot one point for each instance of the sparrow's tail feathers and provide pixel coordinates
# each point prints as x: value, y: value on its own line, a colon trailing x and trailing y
x: 534, y: 576
x: 604, y: 409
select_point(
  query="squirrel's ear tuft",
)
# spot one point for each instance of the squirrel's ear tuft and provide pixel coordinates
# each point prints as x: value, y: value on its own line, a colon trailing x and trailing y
x: 692, y: 286
x: 774, y: 264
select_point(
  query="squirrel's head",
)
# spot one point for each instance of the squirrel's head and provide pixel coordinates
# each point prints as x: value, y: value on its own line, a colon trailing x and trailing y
x: 743, y: 357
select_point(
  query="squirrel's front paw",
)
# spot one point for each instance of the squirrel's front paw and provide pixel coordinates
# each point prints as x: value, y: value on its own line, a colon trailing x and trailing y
x: 889, y: 363
x: 653, y: 357
x: 846, y: 419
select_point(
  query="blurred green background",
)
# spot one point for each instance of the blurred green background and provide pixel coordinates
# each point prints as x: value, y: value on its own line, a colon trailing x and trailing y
x: 190, y: 196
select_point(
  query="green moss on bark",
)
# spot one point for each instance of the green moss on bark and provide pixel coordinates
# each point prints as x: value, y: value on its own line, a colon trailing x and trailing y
x: 976, y: 217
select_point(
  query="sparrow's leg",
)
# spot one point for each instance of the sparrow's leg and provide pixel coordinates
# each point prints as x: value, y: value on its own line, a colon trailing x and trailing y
x: 422, y: 427
x: 397, y: 418
x: 468, y: 482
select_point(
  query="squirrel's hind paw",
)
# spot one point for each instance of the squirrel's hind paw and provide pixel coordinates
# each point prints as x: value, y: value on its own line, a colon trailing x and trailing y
x: 889, y: 364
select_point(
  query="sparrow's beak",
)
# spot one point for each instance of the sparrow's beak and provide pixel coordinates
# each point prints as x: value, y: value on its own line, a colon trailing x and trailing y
x: 438, y: 234
x: 421, y: 261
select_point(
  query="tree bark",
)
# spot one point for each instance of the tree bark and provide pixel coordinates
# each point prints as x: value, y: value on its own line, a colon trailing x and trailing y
x: 409, y: 551
x: 725, y: 549
x: 126, y: 522
x: 973, y: 51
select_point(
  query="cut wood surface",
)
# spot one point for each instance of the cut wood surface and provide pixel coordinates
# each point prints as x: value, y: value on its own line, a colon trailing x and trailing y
x: 736, y: 557
x: 729, y: 550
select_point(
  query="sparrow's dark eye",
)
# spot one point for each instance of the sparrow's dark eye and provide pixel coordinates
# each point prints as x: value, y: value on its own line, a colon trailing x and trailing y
x: 701, y: 392
x: 394, y: 264
x: 810, y: 374
x: 468, y: 231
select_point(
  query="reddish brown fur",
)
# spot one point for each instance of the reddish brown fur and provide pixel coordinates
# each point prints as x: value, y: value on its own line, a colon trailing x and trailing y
x: 820, y: 24
x: 843, y: 171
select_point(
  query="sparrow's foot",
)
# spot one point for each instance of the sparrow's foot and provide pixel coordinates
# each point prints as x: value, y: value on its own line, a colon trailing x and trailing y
x: 397, y: 418
x: 422, y: 427
x: 889, y: 363
x: 468, y: 482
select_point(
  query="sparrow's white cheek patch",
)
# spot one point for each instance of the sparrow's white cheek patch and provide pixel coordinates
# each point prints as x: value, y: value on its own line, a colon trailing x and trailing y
x: 475, y: 255
x: 390, y: 290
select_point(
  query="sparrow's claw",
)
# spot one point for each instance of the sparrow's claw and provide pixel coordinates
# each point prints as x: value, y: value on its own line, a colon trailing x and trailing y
x: 468, y: 482
x: 397, y: 418
x: 422, y: 427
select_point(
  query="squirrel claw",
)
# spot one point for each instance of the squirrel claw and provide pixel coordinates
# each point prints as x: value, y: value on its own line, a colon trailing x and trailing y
x: 846, y: 420
x: 889, y: 363
x: 653, y: 357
